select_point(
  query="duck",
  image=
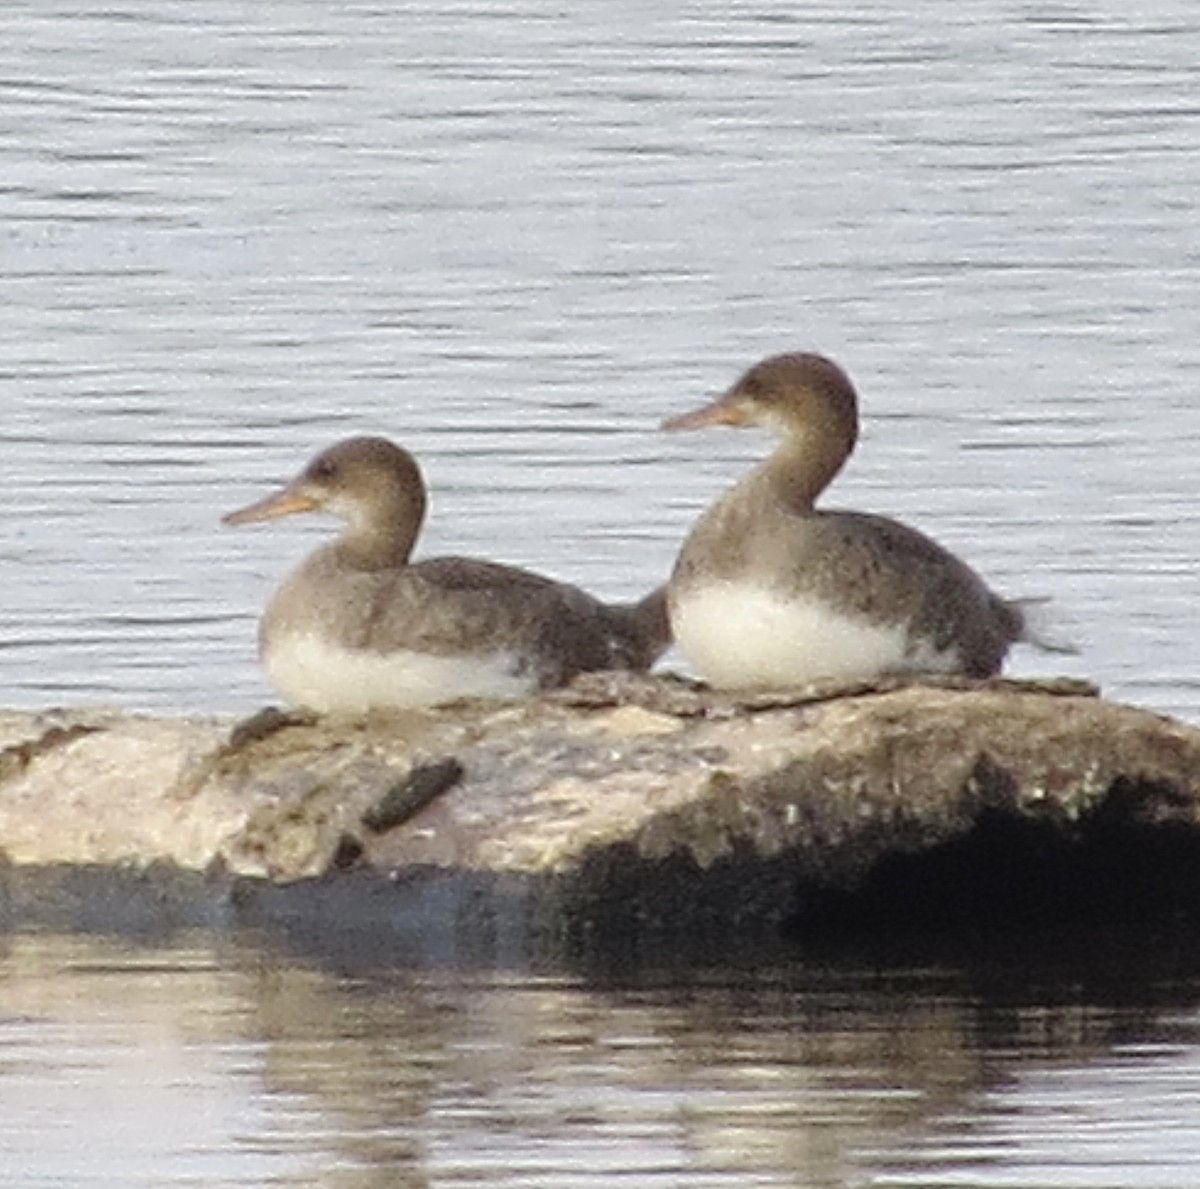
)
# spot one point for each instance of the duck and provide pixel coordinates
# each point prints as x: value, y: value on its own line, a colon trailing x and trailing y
x: 359, y: 626
x: 770, y: 591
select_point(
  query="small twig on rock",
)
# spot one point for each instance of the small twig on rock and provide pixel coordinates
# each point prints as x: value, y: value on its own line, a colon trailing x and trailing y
x: 424, y: 784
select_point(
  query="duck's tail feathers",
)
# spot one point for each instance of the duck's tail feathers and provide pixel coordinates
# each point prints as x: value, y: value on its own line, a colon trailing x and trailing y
x: 647, y: 629
x: 1042, y: 627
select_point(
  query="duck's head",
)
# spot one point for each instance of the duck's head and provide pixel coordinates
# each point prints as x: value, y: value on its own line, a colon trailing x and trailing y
x: 798, y: 395
x: 369, y: 482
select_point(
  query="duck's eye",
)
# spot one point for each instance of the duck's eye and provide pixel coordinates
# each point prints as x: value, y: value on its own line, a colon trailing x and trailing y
x: 324, y: 468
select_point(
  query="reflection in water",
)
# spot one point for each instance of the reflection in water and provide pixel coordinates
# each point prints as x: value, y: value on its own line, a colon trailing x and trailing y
x: 122, y: 1067
x: 226, y: 1062
x: 1130, y: 1118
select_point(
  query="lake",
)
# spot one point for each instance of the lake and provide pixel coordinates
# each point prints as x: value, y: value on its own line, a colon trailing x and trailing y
x: 238, y: 1061
x: 515, y: 237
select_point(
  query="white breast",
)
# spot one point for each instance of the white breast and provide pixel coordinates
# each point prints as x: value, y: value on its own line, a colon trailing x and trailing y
x: 741, y: 636
x: 331, y: 680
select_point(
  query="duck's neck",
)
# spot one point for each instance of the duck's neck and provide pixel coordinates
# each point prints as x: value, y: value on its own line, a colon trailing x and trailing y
x: 382, y: 537
x: 803, y: 465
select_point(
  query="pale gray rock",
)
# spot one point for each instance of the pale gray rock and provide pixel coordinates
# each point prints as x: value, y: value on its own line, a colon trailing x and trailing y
x: 622, y: 806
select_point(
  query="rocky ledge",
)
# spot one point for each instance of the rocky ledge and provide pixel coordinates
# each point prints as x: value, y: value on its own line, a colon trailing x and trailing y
x: 621, y: 811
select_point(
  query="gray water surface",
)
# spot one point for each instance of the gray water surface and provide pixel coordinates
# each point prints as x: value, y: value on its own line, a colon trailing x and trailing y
x: 229, y: 1063
x: 517, y: 236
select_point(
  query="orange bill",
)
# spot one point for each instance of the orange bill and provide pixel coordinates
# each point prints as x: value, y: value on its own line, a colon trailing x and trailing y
x: 287, y: 502
x: 725, y: 410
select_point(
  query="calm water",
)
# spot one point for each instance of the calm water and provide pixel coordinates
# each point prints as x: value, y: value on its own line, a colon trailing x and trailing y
x: 230, y: 1064
x: 516, y: 237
